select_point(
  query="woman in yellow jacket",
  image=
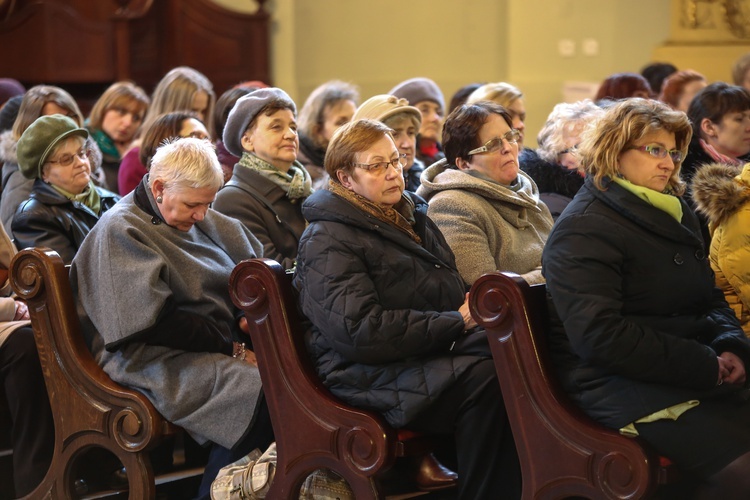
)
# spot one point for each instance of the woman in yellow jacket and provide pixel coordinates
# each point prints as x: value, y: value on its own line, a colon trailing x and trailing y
x: 722, y: 193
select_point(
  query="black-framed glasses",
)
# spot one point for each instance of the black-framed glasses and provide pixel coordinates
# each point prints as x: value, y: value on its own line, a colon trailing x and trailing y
x: 493, y: 145
x: 380, y: 167
x: 67, y: 159
x: 661, y: 152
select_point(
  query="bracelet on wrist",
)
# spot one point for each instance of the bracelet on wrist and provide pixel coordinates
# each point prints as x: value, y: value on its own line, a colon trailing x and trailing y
x: 239, y: 351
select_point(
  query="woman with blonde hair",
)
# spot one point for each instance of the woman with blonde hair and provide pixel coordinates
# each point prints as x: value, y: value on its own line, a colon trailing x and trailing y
x: 642, y: 339
x: 113, y: 123
x: 42, y: 100
x: 507, y: 96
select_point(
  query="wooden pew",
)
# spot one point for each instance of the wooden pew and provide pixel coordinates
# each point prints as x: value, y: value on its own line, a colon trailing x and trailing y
x: 90, y: 410
x: 563, y: 452
x: 313, y: 429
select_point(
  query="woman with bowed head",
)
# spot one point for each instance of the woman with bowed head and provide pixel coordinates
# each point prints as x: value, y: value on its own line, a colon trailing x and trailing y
x: 329, y: 106
x: 163, y: 252
x: 268, y: 184
x: 380, y: 286
x: 64, y: 203
x: 642, y: 339
x: 680, y: 88
x: 489, y: 211
x: 113, y: 123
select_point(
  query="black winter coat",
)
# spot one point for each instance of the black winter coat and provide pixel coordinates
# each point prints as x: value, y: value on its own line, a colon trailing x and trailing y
x: 384, y: 309
x: 557, y: 185
x: 48, y: 219
x: 642, y: 322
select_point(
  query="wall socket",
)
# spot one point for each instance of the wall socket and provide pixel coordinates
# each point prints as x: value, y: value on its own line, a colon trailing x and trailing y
x: 566, y: 47
x: 590, y: 47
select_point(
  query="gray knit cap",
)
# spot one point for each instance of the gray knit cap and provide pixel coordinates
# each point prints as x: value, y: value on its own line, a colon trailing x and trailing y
x: 419, y: 89
x: 245, y: 110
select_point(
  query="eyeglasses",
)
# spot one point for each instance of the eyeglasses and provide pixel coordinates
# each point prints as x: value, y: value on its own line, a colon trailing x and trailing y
x: 511, y: 137
x: 67, y: 159
x: 379, y: 168
x: 660, y: 152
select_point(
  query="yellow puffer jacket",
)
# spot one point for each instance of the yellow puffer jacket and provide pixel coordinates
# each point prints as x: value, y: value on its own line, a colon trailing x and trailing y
x: 722, y: 193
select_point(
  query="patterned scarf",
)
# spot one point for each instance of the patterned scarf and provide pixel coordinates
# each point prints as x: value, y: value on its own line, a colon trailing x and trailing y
x: 89, y: 196
x: 716, y: 156
x: 297, y: 182
x: 400, y: 216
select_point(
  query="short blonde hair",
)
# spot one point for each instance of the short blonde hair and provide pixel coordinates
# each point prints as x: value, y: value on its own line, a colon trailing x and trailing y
x: 186, y: 163
x: 564, y: 118
x: 502, y: 93
x: 620, y: 127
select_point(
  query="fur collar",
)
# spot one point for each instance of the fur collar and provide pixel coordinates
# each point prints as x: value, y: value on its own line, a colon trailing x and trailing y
x: 718, y: 192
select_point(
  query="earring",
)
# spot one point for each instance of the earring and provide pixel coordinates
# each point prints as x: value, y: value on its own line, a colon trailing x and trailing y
x: 159, y: 199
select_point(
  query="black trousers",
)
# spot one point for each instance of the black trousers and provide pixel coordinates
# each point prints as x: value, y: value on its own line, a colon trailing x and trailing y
x: 473, y: 411
x: 260, y: 436
x: 33, y: 430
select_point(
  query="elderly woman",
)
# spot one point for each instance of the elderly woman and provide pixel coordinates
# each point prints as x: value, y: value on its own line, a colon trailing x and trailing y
x: 722, y: 193
x: 64, y: 203
x: 405, y: 122
x: 268, y: 185
x: 42, y: 100
x: 555, y: 165
x: 507, y: 96
x: 329, y: 106
x: 488, y: 210
x: 182, y: 347
x: 380, y: 286
x: 645, y: 342
x: 426, y: 96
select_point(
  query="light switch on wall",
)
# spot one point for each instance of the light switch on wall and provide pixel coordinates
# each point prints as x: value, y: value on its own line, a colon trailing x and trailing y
x: 590, y: 46
x: 566, y: 47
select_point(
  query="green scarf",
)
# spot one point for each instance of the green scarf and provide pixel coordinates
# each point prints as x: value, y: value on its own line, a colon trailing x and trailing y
x: 89, y: 197
x: 105, y: 143
x: 666, y: 202
x: 297, y: 182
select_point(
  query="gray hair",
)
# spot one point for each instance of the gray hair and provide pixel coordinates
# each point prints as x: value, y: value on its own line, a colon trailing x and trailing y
x: 327, y: 94
x: 186, y: 163
x: 565, y: 117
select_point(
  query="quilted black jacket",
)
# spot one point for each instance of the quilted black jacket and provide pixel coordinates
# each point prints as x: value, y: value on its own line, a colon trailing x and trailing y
x: 383, y: 307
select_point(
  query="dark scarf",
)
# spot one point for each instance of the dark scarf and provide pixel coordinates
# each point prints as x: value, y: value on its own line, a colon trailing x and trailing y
x: 314, y: 153
x: 400, y: 216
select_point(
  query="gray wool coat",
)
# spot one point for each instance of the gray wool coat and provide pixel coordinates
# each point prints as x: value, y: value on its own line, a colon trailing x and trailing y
x: 131, y: 268
x: 488, y: 226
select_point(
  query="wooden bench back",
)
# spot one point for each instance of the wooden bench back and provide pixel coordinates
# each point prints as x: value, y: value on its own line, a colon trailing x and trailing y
x: 313, y: 428
x: 89, y: 408
x: 563, y: 452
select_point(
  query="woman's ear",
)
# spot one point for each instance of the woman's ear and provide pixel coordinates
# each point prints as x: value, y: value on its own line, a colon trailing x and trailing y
x: 247, y: 141
x: 157, y: 188
x: 344, y: 178
x: 708, y: 127
x: 462, y: 164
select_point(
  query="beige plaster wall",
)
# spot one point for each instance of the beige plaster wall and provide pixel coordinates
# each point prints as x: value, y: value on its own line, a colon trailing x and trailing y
x: 376, y: 44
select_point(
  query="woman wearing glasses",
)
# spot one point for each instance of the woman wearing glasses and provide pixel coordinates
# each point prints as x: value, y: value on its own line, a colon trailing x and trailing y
x: 64, y: 203
x: 380, y: 286
x: 645, y: 343
x: 488, y: 210
x: 268, y: 184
